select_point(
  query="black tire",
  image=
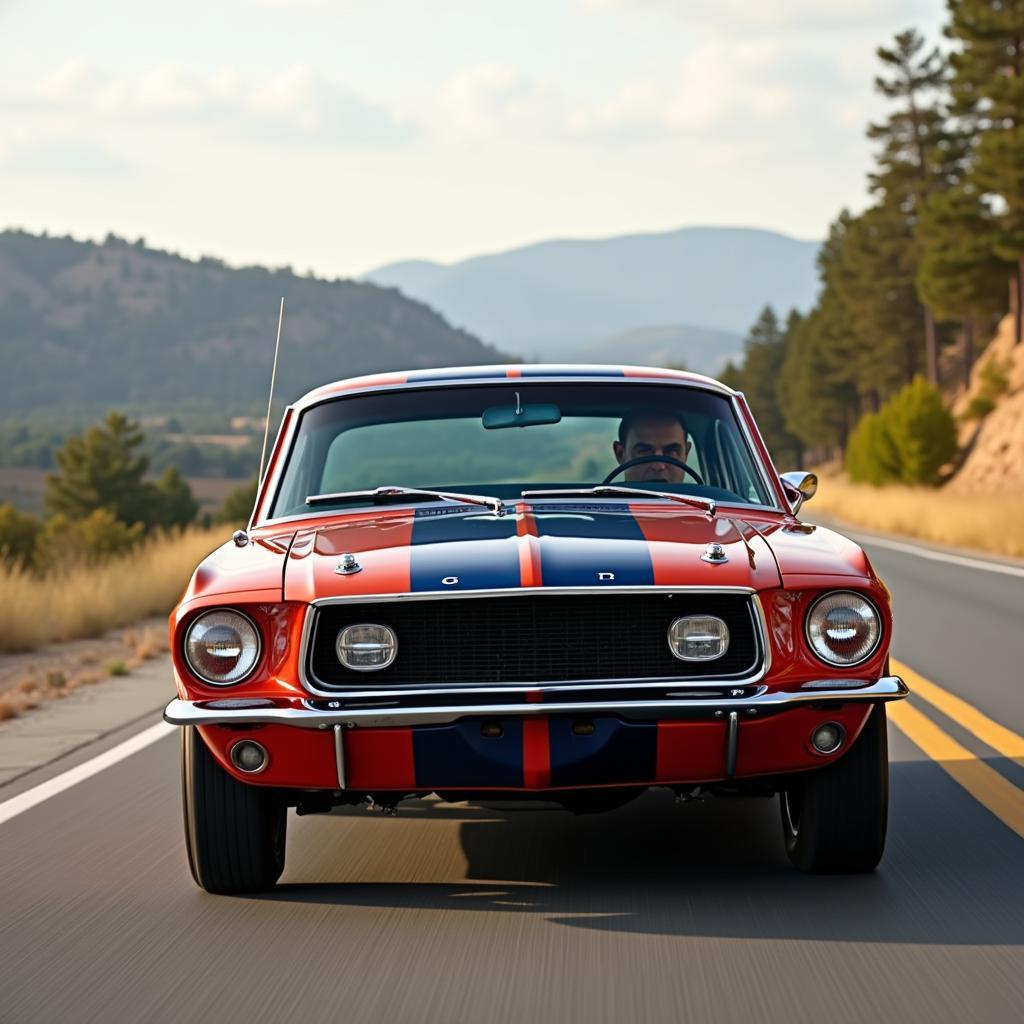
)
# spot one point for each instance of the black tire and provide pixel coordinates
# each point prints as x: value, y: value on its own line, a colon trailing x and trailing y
x: 234, y: 833
x: 834, y: 818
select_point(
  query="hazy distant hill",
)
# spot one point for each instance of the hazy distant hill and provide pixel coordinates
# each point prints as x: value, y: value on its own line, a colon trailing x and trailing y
x: 697, y: 348
x: 553, y: 298
x: 84, y: 327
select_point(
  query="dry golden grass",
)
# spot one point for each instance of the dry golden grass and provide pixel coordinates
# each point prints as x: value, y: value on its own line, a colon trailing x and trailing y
x: 988, y: 522
x: 83, y: 601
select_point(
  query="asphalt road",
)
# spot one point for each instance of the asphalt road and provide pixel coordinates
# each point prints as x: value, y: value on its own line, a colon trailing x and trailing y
x: 458, y: 913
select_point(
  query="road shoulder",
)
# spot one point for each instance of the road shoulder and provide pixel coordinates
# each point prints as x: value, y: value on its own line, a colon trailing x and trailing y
x: 58, y: 730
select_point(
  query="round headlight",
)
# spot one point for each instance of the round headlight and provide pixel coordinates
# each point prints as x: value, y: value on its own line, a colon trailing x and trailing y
x: 698, y: 638
x: 843, y: 628
x: 222, y: 647
x: 367, y: 647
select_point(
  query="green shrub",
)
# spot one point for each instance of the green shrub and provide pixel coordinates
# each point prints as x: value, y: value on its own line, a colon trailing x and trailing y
x: 992, y: 382
x: 238, y: 505
x: 18, y: 533
x: 870, y: 453
x: 979, y: 407
x: 923, y: 432
x: 993, y: 378
x: 64, y: 542
x: 909, y: 439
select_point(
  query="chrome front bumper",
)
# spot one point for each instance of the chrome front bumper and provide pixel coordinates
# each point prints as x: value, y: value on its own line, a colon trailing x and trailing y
x: 227, y: 711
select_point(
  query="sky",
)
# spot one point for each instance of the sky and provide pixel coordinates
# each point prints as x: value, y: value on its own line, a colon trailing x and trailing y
x: 339, y: 135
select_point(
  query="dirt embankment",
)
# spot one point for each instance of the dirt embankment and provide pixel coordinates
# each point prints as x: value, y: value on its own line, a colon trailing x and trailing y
x: 995, y: 462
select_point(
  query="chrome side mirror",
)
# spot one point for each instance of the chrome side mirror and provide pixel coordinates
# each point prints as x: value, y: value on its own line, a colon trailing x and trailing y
x: 799, y: 487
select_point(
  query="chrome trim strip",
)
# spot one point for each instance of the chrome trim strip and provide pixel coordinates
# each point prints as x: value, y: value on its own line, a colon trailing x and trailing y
x: 184, y: 712
x: 268, y: 481
x: 766, y: 642
x: 339, y: 755
x: 434, y: 595
x: 731, y: 742
x: 760, y: 634
x: 770, y: 489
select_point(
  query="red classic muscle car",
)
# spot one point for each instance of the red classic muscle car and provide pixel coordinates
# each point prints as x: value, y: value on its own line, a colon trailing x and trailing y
x: 560, y: 582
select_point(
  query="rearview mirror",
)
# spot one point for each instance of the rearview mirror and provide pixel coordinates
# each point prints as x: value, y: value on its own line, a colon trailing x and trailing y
x: 497, y: 417
x: 799, y: 487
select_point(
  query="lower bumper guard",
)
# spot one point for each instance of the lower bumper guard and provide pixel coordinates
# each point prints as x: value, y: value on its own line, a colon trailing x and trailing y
x: 242, y: 711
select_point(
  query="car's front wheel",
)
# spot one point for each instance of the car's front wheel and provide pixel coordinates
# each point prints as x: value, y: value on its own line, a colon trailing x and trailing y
x: 235, y: 833
x: 834, y: 818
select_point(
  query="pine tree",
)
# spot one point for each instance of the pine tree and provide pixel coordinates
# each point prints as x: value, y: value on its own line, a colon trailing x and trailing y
x: 174, y: 505
x: 102, y: 469
x: 917, y: 155
x: 988, y: 91
x: 764, y: 353
x: 874, y: 278
x: 960, y: 275
x: 817, y: 381
x: 238, y: 505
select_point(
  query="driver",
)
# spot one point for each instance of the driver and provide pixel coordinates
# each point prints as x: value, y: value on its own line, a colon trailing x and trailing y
x: 652, y: 433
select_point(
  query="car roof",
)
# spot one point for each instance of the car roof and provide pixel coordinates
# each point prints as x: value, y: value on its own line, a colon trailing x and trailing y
x: 522, y: 371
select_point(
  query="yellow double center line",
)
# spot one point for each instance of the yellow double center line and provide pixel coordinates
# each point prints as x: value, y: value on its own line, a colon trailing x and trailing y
x: 985, y: 784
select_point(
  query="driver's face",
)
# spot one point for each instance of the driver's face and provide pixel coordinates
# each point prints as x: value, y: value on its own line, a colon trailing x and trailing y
x: 653, y: 435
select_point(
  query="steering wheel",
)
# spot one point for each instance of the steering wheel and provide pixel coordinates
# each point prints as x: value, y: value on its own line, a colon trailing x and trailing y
x: 641, y: 459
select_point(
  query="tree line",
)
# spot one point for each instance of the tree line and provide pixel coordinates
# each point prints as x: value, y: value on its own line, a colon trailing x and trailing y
x: 911, y: 285
x: 101, y: 503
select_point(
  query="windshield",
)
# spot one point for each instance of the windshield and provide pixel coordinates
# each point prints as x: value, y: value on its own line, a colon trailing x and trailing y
x: 502, y: 439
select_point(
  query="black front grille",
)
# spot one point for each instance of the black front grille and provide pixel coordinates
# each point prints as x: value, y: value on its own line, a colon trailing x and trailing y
x: 535, y: 638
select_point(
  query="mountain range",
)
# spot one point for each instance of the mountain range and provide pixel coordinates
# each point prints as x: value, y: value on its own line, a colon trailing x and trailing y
x: 685, y: 296
x: 85, y: 327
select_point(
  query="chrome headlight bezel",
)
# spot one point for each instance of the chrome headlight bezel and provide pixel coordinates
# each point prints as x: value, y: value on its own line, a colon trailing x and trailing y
x: 340, y: 646
x: 723, y: 636
x: 831, y: 661
x: 256, y: 652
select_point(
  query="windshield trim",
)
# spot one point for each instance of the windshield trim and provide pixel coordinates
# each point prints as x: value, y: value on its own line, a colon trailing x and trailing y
x: 533, y: 503
x: 269, y: 493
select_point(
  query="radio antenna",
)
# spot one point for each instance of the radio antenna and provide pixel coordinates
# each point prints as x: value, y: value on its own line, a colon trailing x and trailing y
x: 273, y: 378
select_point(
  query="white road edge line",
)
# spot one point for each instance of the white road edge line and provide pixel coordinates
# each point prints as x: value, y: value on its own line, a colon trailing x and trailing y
x: 59, y: 783
x: 935, y: 556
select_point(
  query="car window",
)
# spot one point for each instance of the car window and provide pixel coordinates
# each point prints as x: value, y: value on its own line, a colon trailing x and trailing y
x: 437, y: 438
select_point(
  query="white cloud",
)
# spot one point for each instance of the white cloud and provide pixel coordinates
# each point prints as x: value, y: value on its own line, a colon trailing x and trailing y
x: 718, y: 90
x: 773, y: 14
x: 298, y: 103
x: 303, y: 102
x: 493, y: 101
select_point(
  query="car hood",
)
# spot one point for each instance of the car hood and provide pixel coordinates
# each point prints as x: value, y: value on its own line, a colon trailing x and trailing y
x: 448, y: 550
x: 806, y: 552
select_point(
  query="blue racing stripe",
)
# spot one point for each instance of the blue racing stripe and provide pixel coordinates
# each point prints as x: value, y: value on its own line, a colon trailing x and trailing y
x: 453, y: 549
x: 581, y: 547
x: 615, y: 752
x: 459, y: 756
x: 571, y: 370
x: 459, y: 373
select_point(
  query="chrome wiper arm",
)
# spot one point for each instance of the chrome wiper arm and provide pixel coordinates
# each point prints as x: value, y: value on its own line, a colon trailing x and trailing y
x: 707, y: 505
x: 496, y: 505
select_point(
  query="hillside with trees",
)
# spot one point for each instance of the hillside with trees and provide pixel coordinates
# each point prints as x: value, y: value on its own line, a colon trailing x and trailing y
x: 85, y: 327
x: 914, y: 286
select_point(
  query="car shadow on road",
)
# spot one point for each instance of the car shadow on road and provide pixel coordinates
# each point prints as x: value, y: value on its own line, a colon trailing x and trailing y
x: 718, y: 869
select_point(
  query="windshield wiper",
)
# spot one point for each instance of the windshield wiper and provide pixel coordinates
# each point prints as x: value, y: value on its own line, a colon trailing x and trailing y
x: 380, y: 495
x: 612, y: 491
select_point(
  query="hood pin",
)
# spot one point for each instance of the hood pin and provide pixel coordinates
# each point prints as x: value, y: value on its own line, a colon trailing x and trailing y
x: 715, y: 554
x: 348, y: 565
